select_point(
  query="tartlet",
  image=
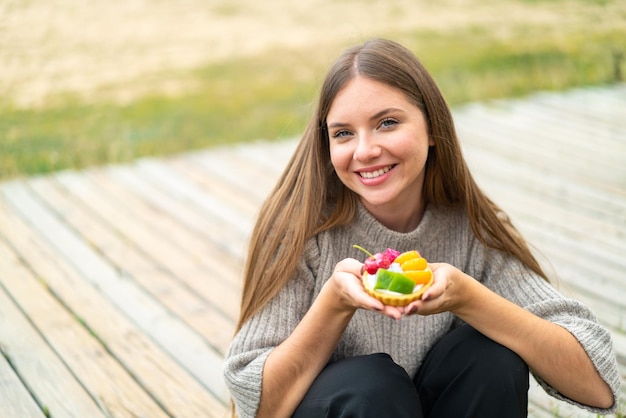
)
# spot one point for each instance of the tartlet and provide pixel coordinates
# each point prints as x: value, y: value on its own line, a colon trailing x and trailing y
x: 388, y: 276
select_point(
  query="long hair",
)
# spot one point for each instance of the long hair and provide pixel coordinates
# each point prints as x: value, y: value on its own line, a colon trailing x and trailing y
x: 309, y: 197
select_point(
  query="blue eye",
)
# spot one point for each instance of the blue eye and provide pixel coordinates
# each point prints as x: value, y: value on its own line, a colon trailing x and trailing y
x: 340, y: 134
x: 388, y: 123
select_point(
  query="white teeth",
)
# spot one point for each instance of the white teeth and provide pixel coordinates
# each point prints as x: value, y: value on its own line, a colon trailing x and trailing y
x: 374, y: 174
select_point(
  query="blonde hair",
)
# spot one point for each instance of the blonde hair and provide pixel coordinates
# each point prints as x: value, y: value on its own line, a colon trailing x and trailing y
x: 309, y: 197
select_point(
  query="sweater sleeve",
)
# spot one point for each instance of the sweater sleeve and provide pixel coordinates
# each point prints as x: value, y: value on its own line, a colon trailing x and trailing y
x: 595, y: 339
x: 509, y: 278
x: 243, y: 366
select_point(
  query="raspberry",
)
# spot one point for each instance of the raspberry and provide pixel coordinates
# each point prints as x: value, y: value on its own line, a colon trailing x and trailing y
x: 392, y: 254
x: 378, y: 260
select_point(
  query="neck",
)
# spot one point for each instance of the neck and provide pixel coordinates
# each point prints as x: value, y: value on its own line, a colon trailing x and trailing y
x: 404, y: 219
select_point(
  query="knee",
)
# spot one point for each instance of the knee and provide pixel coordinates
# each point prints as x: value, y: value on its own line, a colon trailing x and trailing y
x: 365, y: 386
x: 468, y: 374
x: 495, y: 367
x: 378, y: 386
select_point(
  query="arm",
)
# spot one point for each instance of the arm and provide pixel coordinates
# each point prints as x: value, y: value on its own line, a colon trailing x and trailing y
x: 292, y: 366
x: 548, y: 349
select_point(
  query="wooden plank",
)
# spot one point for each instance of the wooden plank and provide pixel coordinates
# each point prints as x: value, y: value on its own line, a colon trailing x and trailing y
x: 210, y: 185
x: 170, y: 246
x: 156, y: 239
x: 592, y: 175
x: 271, y: 157
x: 595, y: 240
x: 249, y: 179
x: 47, y: 377
x: 189, y: 215
x: 16, y: 400
x: 607, y: 109
x: 543, y: 198
x: 601, y: 205
x: 204, y: 247
x: 174, y: 389
x: 178, y: 188
x: 185, y: 302
x: 534, y: 148
x: 183, y: 345
x: 597, y: 119
x: 579, y: 134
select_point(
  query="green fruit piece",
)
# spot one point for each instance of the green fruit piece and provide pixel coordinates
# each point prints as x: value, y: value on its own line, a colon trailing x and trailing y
x: 383, y: 279
x: 394, y: 282
x: 402, y: 284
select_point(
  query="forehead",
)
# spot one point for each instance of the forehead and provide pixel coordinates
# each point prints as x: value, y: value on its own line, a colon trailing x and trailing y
x: 367, y: 96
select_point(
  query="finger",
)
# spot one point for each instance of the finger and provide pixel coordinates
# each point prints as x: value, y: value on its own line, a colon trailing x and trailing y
x: 350, y: 265
x: 392, y: 312
x: 435, y: 266
x: 363, y: 300
x: 411, y: 309
x: 435, y: 290
x: 433, y: 293
x: 372, y: 303
x: 376, y: 305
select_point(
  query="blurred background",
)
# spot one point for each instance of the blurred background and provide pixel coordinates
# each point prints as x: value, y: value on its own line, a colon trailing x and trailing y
x: 89, y: 83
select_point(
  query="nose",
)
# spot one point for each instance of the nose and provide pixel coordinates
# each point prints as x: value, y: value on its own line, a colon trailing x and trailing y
x: 366, y: 149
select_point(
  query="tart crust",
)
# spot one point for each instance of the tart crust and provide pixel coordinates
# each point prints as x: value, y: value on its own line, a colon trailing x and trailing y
x: 395, y: 299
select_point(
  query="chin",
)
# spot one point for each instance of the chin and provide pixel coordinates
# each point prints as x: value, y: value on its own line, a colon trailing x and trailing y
x: 375, y: 202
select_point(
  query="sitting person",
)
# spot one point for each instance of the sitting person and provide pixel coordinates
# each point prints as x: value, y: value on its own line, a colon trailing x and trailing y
x: 380, y: 166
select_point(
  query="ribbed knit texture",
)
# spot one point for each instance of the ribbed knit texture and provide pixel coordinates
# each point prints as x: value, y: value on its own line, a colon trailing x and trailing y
x: 443, y: 235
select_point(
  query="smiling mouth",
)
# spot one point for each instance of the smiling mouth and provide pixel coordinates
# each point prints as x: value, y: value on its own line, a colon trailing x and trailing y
x: 374, y: 174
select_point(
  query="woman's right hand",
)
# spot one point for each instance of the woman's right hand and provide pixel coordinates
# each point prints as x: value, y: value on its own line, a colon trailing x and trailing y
x: 346, y: 282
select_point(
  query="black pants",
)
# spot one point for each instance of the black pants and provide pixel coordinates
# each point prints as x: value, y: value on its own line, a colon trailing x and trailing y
x: 464, y: 375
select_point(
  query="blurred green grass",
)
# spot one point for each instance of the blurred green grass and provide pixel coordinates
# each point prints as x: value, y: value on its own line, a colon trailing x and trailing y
x: 270, y: 96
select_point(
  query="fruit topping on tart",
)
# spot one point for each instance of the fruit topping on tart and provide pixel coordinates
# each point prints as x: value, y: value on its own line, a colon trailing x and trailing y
x: 395, y: 278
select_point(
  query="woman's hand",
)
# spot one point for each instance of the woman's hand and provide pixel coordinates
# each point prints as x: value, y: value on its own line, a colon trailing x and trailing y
x: 346, y: 282
x: 444, y: 295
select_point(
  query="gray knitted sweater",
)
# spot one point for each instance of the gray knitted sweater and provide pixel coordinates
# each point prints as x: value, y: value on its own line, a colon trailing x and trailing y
x: 443, y: 235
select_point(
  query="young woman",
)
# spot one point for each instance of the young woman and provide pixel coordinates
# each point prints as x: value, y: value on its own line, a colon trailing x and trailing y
x: 380, y: 166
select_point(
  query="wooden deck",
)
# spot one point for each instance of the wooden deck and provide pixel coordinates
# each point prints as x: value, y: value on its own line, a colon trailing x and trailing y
x: 119, y: 286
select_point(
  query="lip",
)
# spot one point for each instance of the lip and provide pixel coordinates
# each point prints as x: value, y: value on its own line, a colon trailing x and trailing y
x: 374, y: 181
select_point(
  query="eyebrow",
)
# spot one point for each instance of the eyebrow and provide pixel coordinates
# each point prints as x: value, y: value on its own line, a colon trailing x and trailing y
x: 376, y: 115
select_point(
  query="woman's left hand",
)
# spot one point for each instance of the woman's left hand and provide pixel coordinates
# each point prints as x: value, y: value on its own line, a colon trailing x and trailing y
x: 443, y: 295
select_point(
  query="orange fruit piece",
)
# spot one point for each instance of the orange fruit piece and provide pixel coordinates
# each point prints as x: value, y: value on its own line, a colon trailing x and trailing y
x: 406, y: 256
x: 414, y: 264
x: 419, y: 276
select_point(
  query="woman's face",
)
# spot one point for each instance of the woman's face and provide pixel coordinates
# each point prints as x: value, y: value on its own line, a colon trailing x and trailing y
x: 378, y: 147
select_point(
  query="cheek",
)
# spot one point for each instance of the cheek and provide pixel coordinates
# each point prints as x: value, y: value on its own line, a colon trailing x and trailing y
x: 415, y: 153
x: 409, y: 147
x: 340, y: 157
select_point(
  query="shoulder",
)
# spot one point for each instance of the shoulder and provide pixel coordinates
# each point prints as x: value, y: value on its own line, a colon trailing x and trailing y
x: 448, y: 217
x: 447, y: 235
